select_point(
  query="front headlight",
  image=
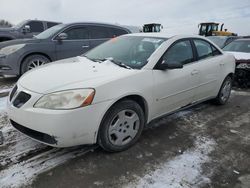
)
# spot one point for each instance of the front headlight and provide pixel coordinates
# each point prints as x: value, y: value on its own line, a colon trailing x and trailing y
x: 11, y: 49
x: 64, y: 100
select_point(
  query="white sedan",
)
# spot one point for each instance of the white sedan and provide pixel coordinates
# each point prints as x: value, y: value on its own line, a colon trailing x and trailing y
x: 107, y: 95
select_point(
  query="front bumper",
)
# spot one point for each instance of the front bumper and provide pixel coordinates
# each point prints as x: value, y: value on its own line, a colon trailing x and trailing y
x: 58, y: 128
x: 9, y: 65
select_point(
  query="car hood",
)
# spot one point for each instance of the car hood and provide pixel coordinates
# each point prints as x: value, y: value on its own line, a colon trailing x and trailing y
x: 77, y: 72
x: 19, y: 41
x: 240, y: 55
x: 6, y: 29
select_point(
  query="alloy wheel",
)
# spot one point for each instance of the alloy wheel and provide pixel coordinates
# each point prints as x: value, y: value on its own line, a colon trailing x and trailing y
x: 36, y: 63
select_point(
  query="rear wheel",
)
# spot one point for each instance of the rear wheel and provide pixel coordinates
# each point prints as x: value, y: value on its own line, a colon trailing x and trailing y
x: 33, y: 61
x: 121, y: 126
x: 224, y: 92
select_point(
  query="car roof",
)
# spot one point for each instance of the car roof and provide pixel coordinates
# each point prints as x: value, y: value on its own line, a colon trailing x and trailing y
x: 166, y: 35
x: 96, y: 23
x: 243, y: 39
x: 43, y: 21
x: 222, y: 37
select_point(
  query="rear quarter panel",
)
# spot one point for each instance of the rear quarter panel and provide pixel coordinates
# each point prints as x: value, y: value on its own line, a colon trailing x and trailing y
x: 228, y: 62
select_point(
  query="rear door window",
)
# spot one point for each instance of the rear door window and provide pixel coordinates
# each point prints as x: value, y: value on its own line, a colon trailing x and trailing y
x: 204, y: 49
x: 115, y: 32
x: 99, y: 32
x: 77, y: 33
x: 51, y: 24
x: 215, y: 51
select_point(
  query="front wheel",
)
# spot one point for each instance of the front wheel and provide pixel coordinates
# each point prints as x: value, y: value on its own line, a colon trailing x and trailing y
x: 121, y: 126
x: 224, y: 92
x: 33, y: 61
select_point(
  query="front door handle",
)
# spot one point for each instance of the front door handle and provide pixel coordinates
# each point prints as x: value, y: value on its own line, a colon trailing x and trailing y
x: 194, y: 72
x: 85, y: 46
x: 222, y: 64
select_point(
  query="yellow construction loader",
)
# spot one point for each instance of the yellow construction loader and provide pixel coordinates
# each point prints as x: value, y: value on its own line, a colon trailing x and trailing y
x: 212, y: 29
x: 152, y: 27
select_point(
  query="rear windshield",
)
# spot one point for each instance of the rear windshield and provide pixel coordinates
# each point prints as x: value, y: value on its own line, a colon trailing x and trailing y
x: 238, y: 46
x: 219, y: 41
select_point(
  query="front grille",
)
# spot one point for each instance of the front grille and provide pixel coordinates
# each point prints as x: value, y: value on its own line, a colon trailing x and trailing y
x: 34, y: 134
x: 21, y: 99
x: 13, y: 92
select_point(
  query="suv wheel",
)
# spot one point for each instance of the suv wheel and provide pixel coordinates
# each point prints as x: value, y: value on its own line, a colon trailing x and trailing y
x: 32, y: 62
x: 121, y: 126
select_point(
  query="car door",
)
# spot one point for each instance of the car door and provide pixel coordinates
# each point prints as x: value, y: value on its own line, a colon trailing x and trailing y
x: 98, y: 35
x: 35, y: 28
x: 175, y: 88
x: 208, y: 62
x: 76, y: 43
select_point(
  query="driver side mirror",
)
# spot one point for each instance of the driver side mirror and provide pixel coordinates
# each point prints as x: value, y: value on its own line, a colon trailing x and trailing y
x: 26, y: 29
x: 172, y: 65
x: 62, y: 36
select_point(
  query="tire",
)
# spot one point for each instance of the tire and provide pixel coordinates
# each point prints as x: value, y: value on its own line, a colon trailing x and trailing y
x: 33, y: 61
x: 225, y: 91
x: 121, y: 127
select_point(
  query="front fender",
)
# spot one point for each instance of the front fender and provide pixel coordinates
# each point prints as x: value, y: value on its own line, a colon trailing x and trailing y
x: 3, y: 35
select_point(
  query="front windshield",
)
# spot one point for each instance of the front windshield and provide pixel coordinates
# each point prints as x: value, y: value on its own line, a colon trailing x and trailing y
x: 132, y: 51
x: 238, y: 46
x: 215, y: 27
x: 50, y: 32
x: 218, y: 40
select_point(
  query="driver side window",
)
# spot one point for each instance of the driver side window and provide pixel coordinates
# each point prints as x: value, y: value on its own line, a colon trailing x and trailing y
x: 36, y: 26
x: 180, y: 52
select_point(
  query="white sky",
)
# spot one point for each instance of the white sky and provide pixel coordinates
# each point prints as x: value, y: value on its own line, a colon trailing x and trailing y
x: 178, y: 16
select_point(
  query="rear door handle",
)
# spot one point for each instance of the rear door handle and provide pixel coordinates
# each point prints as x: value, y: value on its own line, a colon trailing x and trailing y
x: 194, y: 72
x: 85, y: 46
x: 222, y: 64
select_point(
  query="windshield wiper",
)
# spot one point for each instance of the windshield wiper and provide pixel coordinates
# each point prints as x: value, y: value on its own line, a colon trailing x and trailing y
x: 119, y: 63
x: 95, y: 60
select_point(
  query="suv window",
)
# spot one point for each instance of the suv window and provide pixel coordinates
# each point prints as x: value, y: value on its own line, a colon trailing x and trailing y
x: 115, y: 32
x: 36, y: 26
x: 51, y: 24
x: 204, y: 49
x: 99, y: 32
x: 77, y: 33
x: 180, y: 52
